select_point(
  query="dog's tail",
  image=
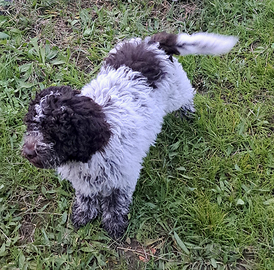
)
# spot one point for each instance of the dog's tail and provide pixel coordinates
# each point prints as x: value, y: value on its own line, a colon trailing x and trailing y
x: 199, y: 43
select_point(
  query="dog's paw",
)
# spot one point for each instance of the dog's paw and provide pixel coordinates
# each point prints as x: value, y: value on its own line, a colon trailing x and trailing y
x: 186, y: 112
x: 82, y: 214
x: 115, y: 225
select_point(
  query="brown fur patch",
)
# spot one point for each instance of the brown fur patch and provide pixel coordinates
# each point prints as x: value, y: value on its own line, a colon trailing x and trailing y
x: 138, y: 58
x: 167, y: 42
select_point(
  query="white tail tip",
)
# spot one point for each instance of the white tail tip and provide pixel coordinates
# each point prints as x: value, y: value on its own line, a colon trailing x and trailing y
x: 205, y: 43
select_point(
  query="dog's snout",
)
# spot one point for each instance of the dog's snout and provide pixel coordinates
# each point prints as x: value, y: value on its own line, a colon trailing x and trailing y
x: 29, y: 150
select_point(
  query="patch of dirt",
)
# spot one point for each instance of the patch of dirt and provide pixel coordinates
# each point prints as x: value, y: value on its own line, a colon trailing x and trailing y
x: 135, y: 255
x: 29, y: 205
x: 254, y: 46
x: 63, y: 33
x: 264, y: 94
x: 162, y: 10
x: 27, y: 230
x: 199, y: 85
x: 271, y: 123
x: 134, y: 249
x: 81, y: 60
x: 248, y: 261
x: 97, y: 3
x: 4, y: 8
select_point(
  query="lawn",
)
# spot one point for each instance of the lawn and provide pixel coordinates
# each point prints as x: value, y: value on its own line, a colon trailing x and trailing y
x: 205, y: 197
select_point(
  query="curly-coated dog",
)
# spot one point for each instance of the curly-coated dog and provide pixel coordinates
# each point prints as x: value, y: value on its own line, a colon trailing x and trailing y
x: 97, y: 138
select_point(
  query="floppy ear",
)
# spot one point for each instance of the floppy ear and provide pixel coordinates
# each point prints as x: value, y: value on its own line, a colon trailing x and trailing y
x: 76, y: 124
x: 91, y: 132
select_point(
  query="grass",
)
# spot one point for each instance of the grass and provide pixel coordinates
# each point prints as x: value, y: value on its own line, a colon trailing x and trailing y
x: 204, y: 199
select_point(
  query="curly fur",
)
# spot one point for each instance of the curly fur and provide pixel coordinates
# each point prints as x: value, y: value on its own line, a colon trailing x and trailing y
x: 74, y: 124
x: 138, y: 58
x: 97, y: 138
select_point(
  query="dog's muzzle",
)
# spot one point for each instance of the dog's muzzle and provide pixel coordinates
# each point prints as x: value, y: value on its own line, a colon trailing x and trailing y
x: 37, y: 152
x: 28, y: 150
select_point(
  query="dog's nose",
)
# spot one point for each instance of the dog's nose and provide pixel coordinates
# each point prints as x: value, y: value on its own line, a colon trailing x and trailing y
x: 29, y: 150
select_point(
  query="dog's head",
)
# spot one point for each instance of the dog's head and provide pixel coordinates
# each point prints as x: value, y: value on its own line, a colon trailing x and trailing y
x: 63, y: 126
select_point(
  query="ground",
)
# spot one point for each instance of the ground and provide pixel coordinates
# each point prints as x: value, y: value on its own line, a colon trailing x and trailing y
x: 204, y: 199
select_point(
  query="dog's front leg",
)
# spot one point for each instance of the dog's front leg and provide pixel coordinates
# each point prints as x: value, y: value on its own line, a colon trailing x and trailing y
x: 115, y: 208
x: 85, y: 209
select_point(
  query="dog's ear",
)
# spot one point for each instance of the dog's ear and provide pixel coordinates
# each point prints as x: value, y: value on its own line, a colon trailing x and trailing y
x: 89, y: 122
x: 76, y: 124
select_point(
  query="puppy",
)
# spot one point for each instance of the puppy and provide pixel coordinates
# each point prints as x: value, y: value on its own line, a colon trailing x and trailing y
x: 97, y: 138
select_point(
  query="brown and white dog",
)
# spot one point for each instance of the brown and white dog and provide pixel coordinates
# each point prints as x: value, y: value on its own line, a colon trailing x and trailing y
x: 97, y: 138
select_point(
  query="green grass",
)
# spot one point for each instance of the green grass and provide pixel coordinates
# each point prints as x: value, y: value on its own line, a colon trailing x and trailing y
x: 204, y: 199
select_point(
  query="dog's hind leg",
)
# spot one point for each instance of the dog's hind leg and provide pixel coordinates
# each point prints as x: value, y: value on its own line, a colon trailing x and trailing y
x: 186, y: 112
x: 85, y: 209
x: 115, y: 208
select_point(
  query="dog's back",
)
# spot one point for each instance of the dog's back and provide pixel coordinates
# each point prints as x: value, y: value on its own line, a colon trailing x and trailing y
x: 152, y: 58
